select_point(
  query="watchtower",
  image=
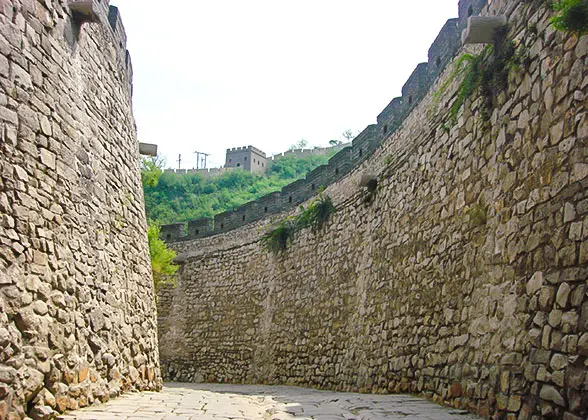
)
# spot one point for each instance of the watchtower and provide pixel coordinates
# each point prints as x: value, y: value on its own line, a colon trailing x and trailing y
x: 248, y: 158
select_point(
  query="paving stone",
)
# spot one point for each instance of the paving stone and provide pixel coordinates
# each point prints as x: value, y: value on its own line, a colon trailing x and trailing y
x: 180, y: 401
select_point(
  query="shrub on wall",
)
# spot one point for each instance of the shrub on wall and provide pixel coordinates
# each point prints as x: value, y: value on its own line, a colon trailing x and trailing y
x: 317, y: 213
x: 314, y: 217
x: 278, y: 239
x: 572, y: 16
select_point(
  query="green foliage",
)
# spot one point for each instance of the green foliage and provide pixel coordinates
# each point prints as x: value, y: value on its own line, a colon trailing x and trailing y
x: 151, y: 170
x: 161, y: 259
x: 572, y: 16
x: 314, y: 217
x: 278, y: 239
x: 478, y: 214
x: 183, y: 197
x: 486, y: 72
x: 471, y: 78
x: 317, y: 213
x: 301, y: 144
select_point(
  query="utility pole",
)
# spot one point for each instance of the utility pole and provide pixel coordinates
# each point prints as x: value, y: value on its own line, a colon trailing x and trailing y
x: 179, y: 161
x: 198, y: 161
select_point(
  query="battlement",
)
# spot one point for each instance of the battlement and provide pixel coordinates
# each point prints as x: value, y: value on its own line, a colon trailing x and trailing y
x: 441, y: 52
x: 245, y: 148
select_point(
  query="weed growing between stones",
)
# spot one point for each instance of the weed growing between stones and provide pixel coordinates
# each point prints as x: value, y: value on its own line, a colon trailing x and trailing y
x: 486, y: 72
x: 314, y: 217
x: 572, y: 16
x: 317, y: 213
x: 478, y: 214
x: 278, y: 239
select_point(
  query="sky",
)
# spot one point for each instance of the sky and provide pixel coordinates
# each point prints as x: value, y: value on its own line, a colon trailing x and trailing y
x: 215, y: 74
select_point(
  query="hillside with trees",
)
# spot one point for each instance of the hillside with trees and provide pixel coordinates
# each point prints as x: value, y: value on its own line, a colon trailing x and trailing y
x: 171, y: 197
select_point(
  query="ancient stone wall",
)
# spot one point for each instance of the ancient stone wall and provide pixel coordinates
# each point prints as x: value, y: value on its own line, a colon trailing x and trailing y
x: 463, y: 279
x: 77, y: 316
x: 349, y: 156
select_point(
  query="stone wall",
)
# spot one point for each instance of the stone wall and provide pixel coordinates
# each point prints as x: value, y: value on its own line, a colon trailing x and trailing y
x: 463, y: 279
x: 77, y: 316
x: 349, y: 155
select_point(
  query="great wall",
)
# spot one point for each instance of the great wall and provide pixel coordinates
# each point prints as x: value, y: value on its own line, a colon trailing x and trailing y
x: 77, y: 309
x: 463, y: 277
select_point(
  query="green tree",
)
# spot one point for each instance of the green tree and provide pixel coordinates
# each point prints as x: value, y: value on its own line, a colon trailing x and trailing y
x: 161, y: 259
x: 182, y: 197
x: 348, y: 135
x: 151, y: 170
x: 301, y: 144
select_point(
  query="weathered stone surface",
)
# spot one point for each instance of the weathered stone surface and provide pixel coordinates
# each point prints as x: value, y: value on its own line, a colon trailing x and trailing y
x: 549, y: 393
x: 402, y: 291
x: 253, y: 402
x: 72, y: 221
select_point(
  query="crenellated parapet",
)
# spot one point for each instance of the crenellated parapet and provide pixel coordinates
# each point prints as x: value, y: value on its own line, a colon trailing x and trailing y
x: 441, y: 52
x: 120, y: 43
x: 467, y: 8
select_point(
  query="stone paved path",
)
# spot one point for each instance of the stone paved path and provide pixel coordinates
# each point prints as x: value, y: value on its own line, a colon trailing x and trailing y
x: 245, y: 402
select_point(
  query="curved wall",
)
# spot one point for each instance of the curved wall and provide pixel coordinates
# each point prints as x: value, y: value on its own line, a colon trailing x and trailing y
x: 77, y: 313
x: 464, y: 279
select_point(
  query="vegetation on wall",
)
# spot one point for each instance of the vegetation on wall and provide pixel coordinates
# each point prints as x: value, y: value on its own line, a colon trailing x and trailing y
x: 572, y: 16
x: 486, y: 73
x: 162, y: 258
x: 278, y: 239
x: 173, y: 198
x: 478, y: 214
x: 315, y: 216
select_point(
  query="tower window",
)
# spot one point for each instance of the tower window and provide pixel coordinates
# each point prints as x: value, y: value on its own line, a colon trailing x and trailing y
x: 222, y: 225
x: 337, y: 171
x: 245, y: 159
x: 290, y: 199
x: 265, y: 209
x: 470, y: 11
x: 385, y: 129
x: 238, y: 164
x: 197, y: 232
x: 312, y: 187
x: 438, y: 61
x: 243, y: 217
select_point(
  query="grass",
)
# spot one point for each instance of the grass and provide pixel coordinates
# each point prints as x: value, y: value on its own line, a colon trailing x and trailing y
x: 314, y: 217
x: 572, y: 16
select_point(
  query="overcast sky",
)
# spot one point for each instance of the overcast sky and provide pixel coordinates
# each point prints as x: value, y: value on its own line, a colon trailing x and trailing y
x: 214, y: 74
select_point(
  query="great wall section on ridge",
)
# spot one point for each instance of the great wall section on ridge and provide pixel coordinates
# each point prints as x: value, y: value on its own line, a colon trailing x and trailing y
x: 77, y: 308
x: 363, y: 146
x: 464, y: 277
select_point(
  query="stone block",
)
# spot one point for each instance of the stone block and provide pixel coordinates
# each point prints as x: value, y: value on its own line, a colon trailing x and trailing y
x: 147, y: 149
x: 482, y: 29
x: 86, y: 10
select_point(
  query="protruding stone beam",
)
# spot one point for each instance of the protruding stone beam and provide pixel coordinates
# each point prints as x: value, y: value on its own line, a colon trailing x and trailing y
x: 481, y: 29
x: 85, y: 10
x: 147, y: 149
